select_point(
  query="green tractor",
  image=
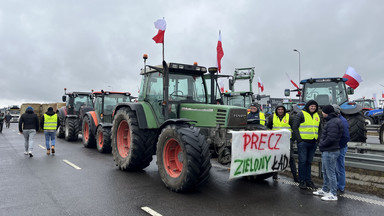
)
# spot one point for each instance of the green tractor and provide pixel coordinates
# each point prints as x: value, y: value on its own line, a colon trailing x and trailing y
x: 97, y: 123
x: 173, y: 120
x: 70, y: 116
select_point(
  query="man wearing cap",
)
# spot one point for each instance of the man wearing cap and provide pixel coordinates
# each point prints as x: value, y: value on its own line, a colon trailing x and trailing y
x: 50, y: 122
x: 330, y: 148
x: 340, y: 165
x: 256, y: 114
x: 306, y: 129
x: 281, y: 120
x: 28, y: 125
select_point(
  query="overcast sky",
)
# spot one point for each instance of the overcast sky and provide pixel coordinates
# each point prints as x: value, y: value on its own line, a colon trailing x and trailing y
x: 49, y: 45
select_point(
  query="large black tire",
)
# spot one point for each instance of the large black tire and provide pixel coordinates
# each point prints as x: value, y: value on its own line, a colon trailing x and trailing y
x: 368, y: 120
x: 183, y: 157
x: 132, y: 148
x: 71, y: 129
x: 381, y: 134
x: 60, y: 133
x: 357, y: 128
x: 88, y: 137
x: 103, y: 140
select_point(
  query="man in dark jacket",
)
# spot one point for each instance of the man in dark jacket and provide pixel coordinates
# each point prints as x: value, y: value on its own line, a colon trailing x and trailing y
x: 330, y: 148
x: 306, y: 130
x: 256, y: 114
x: 340, y: 166
x: 28, y: 125
x: 50, y: 122
x: 7, y: 119
x: 282, y: 120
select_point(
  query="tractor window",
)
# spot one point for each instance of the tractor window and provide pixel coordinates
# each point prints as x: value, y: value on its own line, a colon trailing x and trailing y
x: 186, y: 88
x: 82, y: 100
x: 154, y: 94
x: 98, y: 102
x: 325, y: 93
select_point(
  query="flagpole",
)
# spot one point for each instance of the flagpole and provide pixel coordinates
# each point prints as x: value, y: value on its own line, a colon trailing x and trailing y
x: 163, y: 51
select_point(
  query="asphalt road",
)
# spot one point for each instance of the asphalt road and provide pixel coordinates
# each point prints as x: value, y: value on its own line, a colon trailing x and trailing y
x: 46, y: 185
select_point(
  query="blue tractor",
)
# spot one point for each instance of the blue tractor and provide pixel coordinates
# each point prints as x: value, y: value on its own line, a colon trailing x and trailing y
x: 333, y: 91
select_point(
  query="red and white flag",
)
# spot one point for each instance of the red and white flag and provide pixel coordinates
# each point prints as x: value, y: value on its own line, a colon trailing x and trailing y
x: 221, y: 85
x: 354, y: 79
x: 220, y: 52
x: 260, y: 84
x: 161, y: 25
x: 293, y: 83
x: 382, y: 94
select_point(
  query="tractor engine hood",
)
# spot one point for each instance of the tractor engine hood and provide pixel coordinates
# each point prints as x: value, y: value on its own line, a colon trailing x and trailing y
x: 210, y: 115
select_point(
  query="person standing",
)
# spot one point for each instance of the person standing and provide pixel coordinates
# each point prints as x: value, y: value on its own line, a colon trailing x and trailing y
x: 306, y: 129
x: 281, y: 120
x: 330, y: 148
x: 28, y: 125
x: 1, y: 121
x: 8, y: 118
x: 340, y: 166
x: 49, y: 122
x: 256, y: 114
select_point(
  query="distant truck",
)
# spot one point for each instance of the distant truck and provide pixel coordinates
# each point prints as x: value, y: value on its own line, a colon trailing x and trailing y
x: 14, y: 110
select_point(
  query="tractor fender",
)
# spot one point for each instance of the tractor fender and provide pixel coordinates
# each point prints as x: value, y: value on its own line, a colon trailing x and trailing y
x: 347, y: 109
x: 105, y: 125
x: 138, y: 108
x: 71, y: 116
x: 62, y: 113
x: 175, y: 121
x: 94, y: 122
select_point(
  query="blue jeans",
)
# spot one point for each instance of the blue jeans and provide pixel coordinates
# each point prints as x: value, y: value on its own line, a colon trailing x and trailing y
x: 306, y: 152
x: 329, y: 160
x: 340, y: 169
x: 49, y: 136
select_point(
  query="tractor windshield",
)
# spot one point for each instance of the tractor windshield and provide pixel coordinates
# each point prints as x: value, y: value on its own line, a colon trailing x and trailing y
x: 239, y: 100
x: 186, y: 88
x: 370, y: 104
x: 79, y: 101
x: 111, y: 100
x: 325, y: 93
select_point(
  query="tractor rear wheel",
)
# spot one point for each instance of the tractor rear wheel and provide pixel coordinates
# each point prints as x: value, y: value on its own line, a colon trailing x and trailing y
x: 132, y: 148
x: 60, y: 133
x: 88, y: 137
x: 183, y: 157
x: 357, y: 129
x: 381, y: 134
x: 103, y: 140
x: 71, y: 129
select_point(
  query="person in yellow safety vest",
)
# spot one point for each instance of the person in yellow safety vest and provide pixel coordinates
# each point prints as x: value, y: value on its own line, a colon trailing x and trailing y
x: 307, y: 129
x: 50, y: 122
x: 282, y: 120
x: 256, y: 114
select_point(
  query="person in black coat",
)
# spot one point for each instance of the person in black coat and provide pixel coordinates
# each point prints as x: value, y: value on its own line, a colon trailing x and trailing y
x: 330, y: 148
x: 28, y: 125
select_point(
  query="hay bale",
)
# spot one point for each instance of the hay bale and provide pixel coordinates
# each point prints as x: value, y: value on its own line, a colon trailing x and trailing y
x: 44, y: 107
x: 35, y: 106
x: 60, y: 104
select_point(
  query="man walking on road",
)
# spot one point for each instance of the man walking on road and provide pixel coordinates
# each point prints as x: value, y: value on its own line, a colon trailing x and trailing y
x: 8, y: 118
x: 28, y: 125
x: 330, y: 148
x: 306, y: 129
x: 49, y: 122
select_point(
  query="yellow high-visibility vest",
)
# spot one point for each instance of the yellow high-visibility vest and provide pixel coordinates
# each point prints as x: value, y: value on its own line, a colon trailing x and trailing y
x: 310, y: 127
x: 283, y: 124
x: 262, y: 118
x: 50, y: 122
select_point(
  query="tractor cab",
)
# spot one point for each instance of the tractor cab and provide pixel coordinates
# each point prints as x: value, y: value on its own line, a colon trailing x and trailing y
x: 75, y: 101
x: 106, y: 101
x: 367, y: 104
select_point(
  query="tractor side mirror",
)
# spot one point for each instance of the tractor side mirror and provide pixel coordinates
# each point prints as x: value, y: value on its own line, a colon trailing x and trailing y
x: 258, y: 97
x: 64, y: 98
x: 230, y: 84
x: 253, y: 98
x: 350, y: 91
x: 287, y: 92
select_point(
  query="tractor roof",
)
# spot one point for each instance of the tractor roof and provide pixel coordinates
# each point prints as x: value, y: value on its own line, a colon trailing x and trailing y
x: 232, y: 94
x: 78, y: 93
x: 111, y: 92
x: 176, y: 68
x: 324, y: 80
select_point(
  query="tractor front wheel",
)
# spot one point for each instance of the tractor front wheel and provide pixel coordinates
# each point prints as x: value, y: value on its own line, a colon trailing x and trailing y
x: 103, y: 138
x: 60, y: 133
x: 88, y: 136
x: 381, y: 134
x: 357, y: 129
x: 183, y: 157
x: 71, y: 129
x: 132, y: 148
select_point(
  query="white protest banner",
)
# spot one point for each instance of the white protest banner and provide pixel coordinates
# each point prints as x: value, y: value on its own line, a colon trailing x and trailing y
x: 258, y: 152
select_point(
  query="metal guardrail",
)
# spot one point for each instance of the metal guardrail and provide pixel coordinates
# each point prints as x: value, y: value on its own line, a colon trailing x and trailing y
x: 373, y: 128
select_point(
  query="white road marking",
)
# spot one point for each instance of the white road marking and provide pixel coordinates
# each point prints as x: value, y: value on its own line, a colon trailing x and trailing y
x: 41, y: 146
x: 150, y: 211
x: 72, y: 165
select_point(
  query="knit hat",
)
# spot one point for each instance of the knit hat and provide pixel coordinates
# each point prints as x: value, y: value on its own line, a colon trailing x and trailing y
x: 328, y: 109
x: 29, y: 108
x: 254, y: 104
x: 337, y: 108
x: 50, y: 109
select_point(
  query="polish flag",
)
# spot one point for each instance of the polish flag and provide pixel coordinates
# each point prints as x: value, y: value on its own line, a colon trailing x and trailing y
x: 260, y: 84
x: 220, y: 52
x: 221, y: 84
x: 382, y: 94
x: 293, y: 83
x: 354, y: 79
x: 161, y: 25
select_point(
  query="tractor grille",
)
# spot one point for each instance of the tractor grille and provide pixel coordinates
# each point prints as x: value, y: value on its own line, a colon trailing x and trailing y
x: 220, y: 117
x: 237, y: 118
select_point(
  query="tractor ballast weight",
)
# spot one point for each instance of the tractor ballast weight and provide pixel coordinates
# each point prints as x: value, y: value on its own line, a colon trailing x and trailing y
x: 70, y: 116
x: 174, y: 120
x: 333, y: 91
